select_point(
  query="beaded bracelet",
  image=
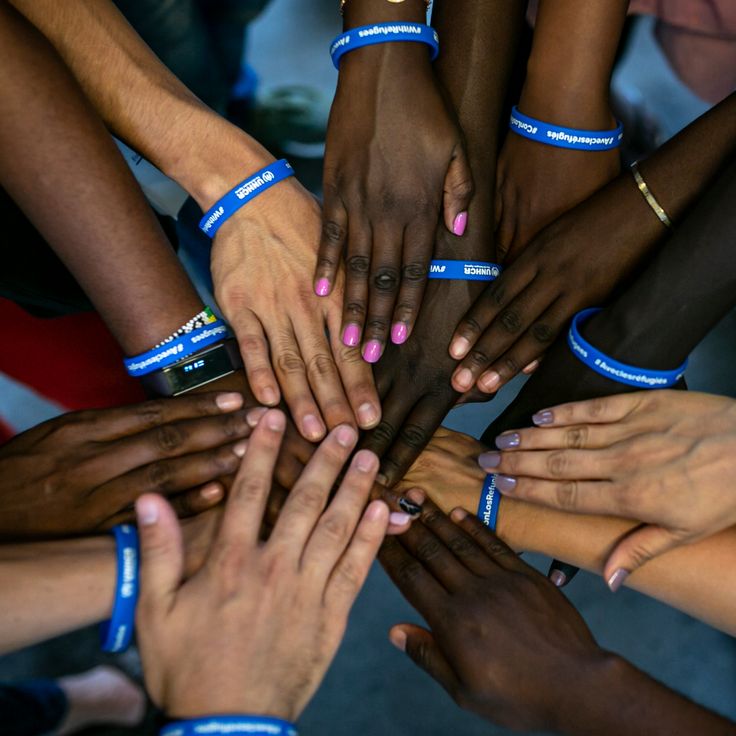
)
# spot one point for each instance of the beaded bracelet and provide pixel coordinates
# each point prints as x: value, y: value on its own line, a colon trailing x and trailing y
x: 205, y: 317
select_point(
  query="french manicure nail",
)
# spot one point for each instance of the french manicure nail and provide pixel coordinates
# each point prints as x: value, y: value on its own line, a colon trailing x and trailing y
x: 459, y: 347
x: 345, y: 436
x: 505, y: 483
x: 490, y: 380
x: 489, y: 460
x: 558, y: 578
x: 542, y: 417
x: 409, y: 507
x: 372, y: 351
x: 229, y: 401
x: 367, y: 416
x: 460, y: 223
x: 398, y: 518
x: 313, y: 428
x: 617, y: 579
x: 322, y: 287
x: 508, y: 441
x: 351, y: 336
x: 399, y: 333
x: 464, y: 378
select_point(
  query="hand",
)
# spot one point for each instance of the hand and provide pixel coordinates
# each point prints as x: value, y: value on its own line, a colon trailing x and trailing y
x: 394, y: 160
x: 262, y: 264
x: 502, y: 640
x: 236, y: 615
x: 82, y: 472
x: 573, y: 263
x: 665, y: 458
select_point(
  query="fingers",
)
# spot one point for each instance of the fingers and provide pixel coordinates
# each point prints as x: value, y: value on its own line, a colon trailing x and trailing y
x: 198, y: 500
x: 594, y: 411
x: 331, y: 244
x: 572, y: 437
x: 421, y: 647
x: 639, y: 546
x: 162, y: 555
x: 349, y: 575
x: 357, y: 268
x: 308, y: 498
x: 458, y: 192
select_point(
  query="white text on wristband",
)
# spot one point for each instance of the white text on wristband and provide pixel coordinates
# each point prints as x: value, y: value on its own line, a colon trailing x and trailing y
x: 230, y: 724
x: 490, y: 499
x: 249, y: 189
x: 464, y: 270
x: 620, y: 372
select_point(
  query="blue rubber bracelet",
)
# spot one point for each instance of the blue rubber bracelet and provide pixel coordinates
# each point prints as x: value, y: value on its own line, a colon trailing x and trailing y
x: 356, y: 38
x: 250, y: 188
x: 117, y: 633
x: 176, y: 350
x: 230, y: 724
x: 556, y: 135
x: 464, y: 270
x: 490, y: 500
x: 612, y: 369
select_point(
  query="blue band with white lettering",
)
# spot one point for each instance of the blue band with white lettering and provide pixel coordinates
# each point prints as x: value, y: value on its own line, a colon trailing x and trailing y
x: 176, y: 350
x: 556, y: 135
x: 250, y: 188
x: 355, y: 38
x: 489, y: 502
x: 252, y: 725
x: 464, y: 270
x: 116, y: 634
x: 612, y: 369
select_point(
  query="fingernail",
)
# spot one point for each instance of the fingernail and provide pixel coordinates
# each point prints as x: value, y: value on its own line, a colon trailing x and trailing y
x: 558, y: 578
x: 459, y: 347
x: 505, y: 483
x: 381, y: 479
x: 241, y: 448
x: 458, y: 514
x: 345, y: 436
x: 365, y: 461
x: 460, y: 223
x: 464, y: 378
x: 372, y: 351
x: 399, y: 333
x: 322, y: 288
x: 542, y: 417
x: 313, y: 428
x: 416, y: 495
x: 398, y: 518
x: 617, y: 579
x: 367, y: 416
x: 254, y: 416
x: 409, y: 507
x: 351, y: 336
x: 507, y: 441
x: 490, y: 380
x: 489, y: 460
x: 211, y: 491
x: 375, y: 510
x: 398, y: 639
x: 270, y: 396
x: 276, y: 421
x: 531, y: 367
x: 147, y: 512
x: 229, y: 402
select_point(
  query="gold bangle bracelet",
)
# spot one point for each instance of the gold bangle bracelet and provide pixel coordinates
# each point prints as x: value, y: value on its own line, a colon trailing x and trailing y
x: 651, y: 200
x: 343, y: 2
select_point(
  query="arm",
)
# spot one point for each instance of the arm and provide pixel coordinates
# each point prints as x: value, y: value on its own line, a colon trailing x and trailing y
x: 151, y: 110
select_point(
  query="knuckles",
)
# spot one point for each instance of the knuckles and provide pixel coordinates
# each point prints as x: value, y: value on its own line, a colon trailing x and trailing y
x: 386, y: 280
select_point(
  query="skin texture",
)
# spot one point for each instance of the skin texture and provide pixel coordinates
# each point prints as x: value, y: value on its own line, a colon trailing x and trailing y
x: 665, y: 458
x: 537, y: 666
x: 235, y: 613
x: 579, y: 259
x: 383, y: 191
x: 280, y: 324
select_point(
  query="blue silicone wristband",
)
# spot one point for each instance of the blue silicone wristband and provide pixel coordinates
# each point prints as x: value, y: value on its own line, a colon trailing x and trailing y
x: 248, y: 189
x: 176, y: 350
x: 117, y: 633
x: 356, y: 38
x: 620, y: 372
x: 556, y: 135
x: 464, y: 270
x: 230, y: 724
x: 490, y: 500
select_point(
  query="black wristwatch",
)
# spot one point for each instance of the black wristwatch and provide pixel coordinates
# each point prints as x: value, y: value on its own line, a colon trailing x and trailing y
x: 196, y: 370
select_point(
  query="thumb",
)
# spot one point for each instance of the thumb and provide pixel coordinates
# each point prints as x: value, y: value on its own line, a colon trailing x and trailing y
x: 458, y: 192
x: 640, y: 545
x: 421, y: 647
x: 162, y: 552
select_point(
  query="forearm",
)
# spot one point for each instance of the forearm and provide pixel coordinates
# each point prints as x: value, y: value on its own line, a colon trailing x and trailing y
x: 52, y: 588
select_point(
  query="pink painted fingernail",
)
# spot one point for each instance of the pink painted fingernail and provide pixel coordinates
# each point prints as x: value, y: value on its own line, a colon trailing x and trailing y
x: 322, y: 288
x: 543, y: 417
x: 399, y: 518
x: 372, y: 351
x: 460, y: 223
x: 558, y: 578
x: 351, y: 336
x: 399, y: 333
x: 617, y: 579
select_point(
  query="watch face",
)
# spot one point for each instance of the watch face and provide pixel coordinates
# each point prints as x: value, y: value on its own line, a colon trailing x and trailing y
x: 202, y: 368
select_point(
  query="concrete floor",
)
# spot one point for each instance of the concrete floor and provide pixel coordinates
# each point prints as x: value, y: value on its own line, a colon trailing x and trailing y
x: 372, y: 689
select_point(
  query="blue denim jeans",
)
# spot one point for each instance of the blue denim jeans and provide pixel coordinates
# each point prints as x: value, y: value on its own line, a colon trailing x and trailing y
x: 31, y: 708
